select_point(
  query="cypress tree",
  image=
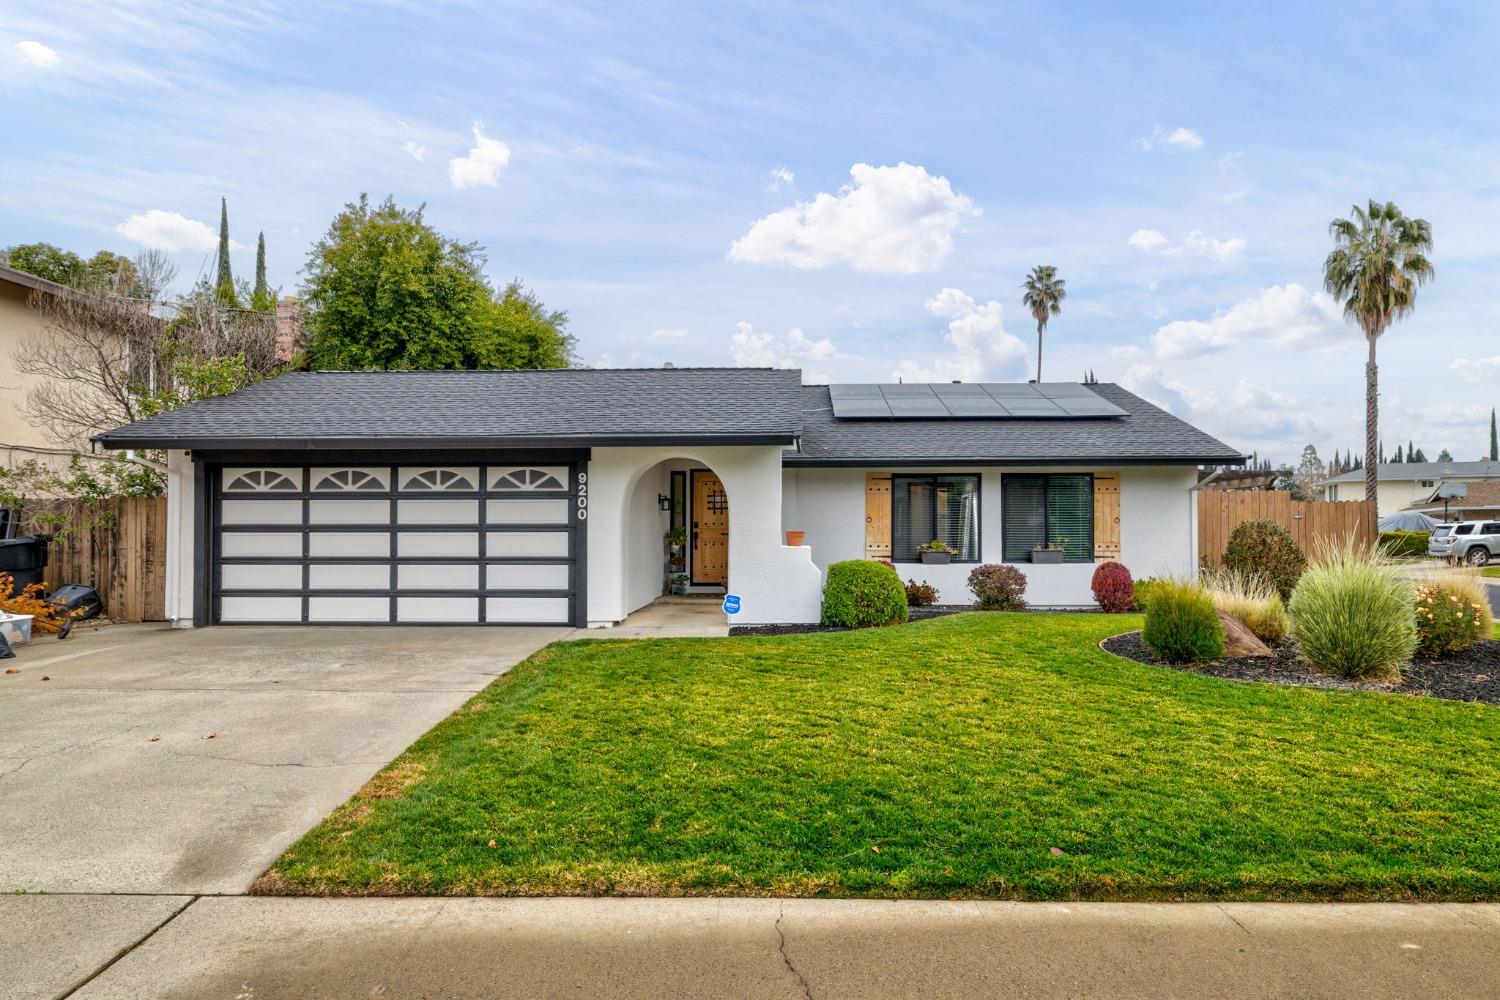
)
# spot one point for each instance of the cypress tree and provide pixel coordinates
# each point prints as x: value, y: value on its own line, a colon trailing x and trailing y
x: 224, y: 284
x: 261, y: 299
x: 1494, y: 445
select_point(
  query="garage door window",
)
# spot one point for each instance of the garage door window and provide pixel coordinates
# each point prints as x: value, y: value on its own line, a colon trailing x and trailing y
x: 395, y: 544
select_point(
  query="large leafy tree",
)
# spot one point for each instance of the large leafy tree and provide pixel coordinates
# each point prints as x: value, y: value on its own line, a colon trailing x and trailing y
x: 1378, y: 261
x: 106, y: 271
x: 385, y: 290
x: 1043, y: 293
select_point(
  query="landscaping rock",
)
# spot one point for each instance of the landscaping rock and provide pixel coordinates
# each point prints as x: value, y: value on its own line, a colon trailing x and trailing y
x: 1240, y: 641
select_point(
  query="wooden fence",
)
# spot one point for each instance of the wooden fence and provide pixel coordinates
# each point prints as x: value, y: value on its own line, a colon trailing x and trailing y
x: 118, y: 547
x: 1307, y: 520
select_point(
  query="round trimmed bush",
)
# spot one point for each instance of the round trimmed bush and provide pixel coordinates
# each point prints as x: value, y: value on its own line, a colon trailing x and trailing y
x: 1354, y: 614
x: 861, y: 593
x: 1405, y: 543
x: 997, y: 587
x: 1266, y: 549
x: 1182, y: 624
x: 1113, y: 588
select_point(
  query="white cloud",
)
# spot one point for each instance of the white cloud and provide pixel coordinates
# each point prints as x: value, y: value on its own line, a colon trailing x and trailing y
x: 889, y: 220
x: 169, y: 231
x: 751, y: 349
x: 665, y: 335
x: 1127, y: 352
x: 37, y: 54
x: 1251, y: 411
x: 482, y: 165
x: 1194, y: 244
x: 1480, y: 371
x: 982, y: 347
x: 1179, y: 139
x: 1149, y: 240
x: 415, y: 150
x: 777, y: 179
x: 1281, y: 316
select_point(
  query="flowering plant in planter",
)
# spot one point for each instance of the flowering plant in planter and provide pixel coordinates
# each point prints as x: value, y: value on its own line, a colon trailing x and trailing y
x: 936, y: 552
x: 1049, y: 552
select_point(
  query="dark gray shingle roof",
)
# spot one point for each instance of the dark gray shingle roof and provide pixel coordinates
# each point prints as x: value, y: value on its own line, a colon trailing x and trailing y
x: 556, y: 407
x: 1145, y: 434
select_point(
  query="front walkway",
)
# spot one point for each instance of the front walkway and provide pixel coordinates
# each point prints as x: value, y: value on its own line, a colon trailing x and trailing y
x: 670, y: 617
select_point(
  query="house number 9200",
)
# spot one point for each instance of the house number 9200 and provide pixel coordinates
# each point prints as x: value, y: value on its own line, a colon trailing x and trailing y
x: 583, y: 496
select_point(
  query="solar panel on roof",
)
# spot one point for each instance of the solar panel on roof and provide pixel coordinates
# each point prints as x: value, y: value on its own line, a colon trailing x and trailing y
x: 969, y: 401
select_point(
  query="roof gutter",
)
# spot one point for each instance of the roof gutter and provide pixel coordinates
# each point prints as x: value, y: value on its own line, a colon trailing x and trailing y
x: 123, y: 441
x: 812, y: 461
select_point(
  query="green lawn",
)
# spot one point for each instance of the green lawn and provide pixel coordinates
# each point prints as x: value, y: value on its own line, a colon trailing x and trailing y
x: 946, y: 758
x: 1491, y: 571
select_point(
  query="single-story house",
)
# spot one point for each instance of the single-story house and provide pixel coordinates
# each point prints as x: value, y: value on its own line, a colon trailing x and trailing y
x: 545, y: 497
x: 1481, y: 502
x: 1398, y: 485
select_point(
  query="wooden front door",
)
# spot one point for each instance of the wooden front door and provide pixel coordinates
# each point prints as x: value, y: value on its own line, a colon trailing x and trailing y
x: 710, y: 531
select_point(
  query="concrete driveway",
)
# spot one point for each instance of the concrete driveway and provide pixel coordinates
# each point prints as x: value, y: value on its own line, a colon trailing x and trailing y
x: 110, y: 783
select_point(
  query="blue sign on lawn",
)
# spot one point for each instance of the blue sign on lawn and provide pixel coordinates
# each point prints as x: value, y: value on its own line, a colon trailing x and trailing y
x: 731, y: 604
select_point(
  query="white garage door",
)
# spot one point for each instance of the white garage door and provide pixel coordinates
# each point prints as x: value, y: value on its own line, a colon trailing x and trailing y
x: 396, y: 544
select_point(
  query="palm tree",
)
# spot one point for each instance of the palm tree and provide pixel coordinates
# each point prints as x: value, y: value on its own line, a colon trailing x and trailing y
x: 1044, y: 294
x: 1378, y: 262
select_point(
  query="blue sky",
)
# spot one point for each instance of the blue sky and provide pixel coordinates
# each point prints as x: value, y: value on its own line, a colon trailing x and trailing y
x: 856, y: 190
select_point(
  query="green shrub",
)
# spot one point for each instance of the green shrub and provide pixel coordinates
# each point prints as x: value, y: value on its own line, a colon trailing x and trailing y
x: 920, y: 595
x: 1265, y: 549
x: 997, y: 587
x: 1353, y: 613
x: 1450, y: 617
x: 1404, y: 543
x: 1251, y: 601
x: 862, y: 592
x: 1182, y: 625
x: 1144, y: 588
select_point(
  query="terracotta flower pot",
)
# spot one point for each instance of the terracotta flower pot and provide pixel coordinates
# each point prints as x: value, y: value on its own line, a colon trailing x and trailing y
x: 794, y: 538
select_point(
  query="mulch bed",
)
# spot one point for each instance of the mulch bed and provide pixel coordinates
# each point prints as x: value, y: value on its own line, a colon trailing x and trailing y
x: 1472, y: 675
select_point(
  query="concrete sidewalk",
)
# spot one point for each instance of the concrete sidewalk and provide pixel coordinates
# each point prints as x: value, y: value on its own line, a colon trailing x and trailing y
x: 261, y: 948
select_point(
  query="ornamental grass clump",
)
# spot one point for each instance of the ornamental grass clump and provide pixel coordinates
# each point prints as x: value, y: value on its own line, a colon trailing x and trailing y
x: 1251, y: 601
x: 1452, y: 612
x: 861, y: 593
x: 1353, y: 613
x: 1182, y: 625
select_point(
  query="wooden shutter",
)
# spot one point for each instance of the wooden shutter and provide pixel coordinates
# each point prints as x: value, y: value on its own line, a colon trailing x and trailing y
x: 1106, y: 516
x: 877, y: 515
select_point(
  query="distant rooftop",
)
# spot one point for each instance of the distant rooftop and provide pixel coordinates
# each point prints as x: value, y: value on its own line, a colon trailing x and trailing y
x: 1423, y: 470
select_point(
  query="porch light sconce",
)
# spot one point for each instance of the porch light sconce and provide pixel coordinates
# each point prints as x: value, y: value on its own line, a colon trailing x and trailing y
x: 664, y: 502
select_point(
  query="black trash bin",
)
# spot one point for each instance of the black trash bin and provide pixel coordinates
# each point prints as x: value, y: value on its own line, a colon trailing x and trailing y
x: 25, y: 559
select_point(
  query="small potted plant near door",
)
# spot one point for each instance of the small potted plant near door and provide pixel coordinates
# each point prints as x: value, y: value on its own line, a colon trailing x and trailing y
x: 1049, y: 552
x: 677, y: 584
x: 676, y: 539
x: 794, y: 538
x: 936, y: 553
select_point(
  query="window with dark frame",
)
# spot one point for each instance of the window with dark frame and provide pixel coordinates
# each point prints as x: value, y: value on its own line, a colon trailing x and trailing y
x: 1054, y: 511
x: 927, y: 508
x: 679, y: 501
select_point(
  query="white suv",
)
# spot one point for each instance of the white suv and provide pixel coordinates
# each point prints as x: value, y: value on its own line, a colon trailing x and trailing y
x: 1473, y: 542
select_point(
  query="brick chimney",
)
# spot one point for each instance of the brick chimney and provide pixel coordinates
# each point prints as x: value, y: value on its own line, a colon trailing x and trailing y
x: 291, y: 335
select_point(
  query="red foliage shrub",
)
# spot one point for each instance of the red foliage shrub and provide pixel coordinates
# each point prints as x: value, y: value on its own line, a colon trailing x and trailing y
x: 997, y: 587
x: 1113, y: 588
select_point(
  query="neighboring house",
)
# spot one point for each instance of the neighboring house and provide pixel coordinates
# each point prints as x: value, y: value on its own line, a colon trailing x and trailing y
x: 1481, y: 503
x: 19, y: 323
x: 1400, y: 484
x: 542, y: 497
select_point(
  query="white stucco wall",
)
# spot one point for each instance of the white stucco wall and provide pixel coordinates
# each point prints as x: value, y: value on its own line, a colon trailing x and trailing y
x: 1156, y: 528
x: 775, y: 583
x: 180, y: 506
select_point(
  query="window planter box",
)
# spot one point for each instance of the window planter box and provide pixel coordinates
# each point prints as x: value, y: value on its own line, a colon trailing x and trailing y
x: 930, y: 558
x: 1048, y: 557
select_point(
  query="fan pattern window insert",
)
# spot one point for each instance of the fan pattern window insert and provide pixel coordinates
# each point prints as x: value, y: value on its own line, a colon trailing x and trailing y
x: 348, y: 481
x: 262, y: 481
x: 440, y: 480
x: 523, y: 480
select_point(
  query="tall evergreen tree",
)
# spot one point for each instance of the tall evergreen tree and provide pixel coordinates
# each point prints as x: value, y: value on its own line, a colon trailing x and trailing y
x: 1494, y: 444
x: 1411, y: 453
x: 1445, y: 456
x: 224, y: 293
x: 261, y: 299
